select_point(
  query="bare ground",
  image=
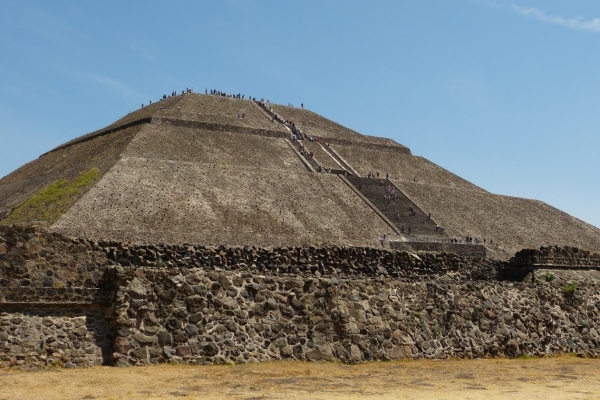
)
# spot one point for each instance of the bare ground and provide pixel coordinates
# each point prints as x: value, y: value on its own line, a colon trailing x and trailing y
x: 550, y: 378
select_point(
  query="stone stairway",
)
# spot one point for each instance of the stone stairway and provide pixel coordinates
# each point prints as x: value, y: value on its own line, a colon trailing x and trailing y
x: 297, y: 137
x: 397, y: 210
x: 339, y: 160
x: 263, y: 111
x: 305, y: 153
x: 270, y: 114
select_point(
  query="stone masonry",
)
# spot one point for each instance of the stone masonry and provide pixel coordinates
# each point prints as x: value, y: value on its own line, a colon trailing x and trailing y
x: 118, y: 304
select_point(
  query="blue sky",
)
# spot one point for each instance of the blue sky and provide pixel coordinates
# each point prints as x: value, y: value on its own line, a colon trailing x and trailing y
x: 503, y: 93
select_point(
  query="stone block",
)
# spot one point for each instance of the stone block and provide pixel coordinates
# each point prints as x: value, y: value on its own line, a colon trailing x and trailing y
x: 144, y: 340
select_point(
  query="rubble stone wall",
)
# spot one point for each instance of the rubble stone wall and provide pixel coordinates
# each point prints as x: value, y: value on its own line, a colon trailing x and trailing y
x: 567, y: 255
x: 468, y: 250
x: 225, y: 316
x: 119, y: 304
x: 37, y: 336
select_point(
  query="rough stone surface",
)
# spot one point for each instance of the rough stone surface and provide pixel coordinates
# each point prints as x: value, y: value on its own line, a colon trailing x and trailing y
x: 201, y: 305
x: 35, y: 338
x: 221, y: 204
x: 511, y: 222
x: 102, y: 153
x: 368, y: 318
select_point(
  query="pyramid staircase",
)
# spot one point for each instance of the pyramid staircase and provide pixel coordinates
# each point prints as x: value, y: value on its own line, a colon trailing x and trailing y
x: 408, y: 217
x: 339, y: 159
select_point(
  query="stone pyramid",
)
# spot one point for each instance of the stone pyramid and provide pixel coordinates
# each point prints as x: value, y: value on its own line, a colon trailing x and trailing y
x: 203, y: 169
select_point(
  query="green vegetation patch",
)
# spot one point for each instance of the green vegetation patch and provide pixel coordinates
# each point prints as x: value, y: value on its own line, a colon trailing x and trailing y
x: 549, y: 276
x: 51, y: 203
x: 569, y: 289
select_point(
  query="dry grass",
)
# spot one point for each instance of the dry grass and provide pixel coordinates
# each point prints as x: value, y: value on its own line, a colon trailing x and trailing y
x: 555, y: 378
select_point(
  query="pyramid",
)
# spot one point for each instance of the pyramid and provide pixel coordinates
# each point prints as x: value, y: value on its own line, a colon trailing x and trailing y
x: 210, y: 170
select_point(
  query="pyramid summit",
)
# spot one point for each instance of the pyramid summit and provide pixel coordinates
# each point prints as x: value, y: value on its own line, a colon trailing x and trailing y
x: 212, y: 169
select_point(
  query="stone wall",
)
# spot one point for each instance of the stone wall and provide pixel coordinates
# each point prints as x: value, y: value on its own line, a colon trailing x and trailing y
x: 205, y: 317
x: 30, y: 256
x: 53, y: 300
x: 118, y: 304
x: 37, y: 336
x: 565, y: 256
x: 466, y: 250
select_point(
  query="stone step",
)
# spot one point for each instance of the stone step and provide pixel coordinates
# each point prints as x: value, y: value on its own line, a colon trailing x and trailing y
x: 305, y: 153
x: 336, y: 157
x: 397, y: 210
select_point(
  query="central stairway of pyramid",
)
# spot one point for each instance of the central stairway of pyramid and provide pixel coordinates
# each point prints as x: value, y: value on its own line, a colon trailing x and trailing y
x: 398, y: 208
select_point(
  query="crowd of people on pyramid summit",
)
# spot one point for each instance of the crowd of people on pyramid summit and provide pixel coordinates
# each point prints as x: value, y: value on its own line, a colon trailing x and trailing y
x: 296, y: 133
x: 221, y: 93
x: 241, y: 96
x: 173, y: 94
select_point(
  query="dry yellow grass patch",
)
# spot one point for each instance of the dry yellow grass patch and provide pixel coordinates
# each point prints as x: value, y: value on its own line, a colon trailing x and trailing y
x: 555, y: 378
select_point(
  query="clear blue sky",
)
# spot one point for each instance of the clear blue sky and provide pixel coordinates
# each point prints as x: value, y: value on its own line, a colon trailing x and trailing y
x: 503, y: 93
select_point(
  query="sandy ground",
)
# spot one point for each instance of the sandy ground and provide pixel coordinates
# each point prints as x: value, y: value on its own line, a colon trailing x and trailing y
x: 549, y: 378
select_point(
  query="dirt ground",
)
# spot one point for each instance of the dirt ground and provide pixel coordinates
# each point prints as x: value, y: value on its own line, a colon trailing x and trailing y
x: 548, y: 378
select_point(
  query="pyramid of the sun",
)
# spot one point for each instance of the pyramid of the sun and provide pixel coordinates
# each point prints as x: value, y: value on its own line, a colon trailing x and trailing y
x: 190, y: 169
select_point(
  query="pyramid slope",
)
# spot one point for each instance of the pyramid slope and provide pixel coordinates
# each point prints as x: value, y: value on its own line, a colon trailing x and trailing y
x: 190, y: 170
x: 147, y: 112
x: 197, y: 108
x: 315, y: 125
x: 101, y: 152
x: 402, y: 167
x: 150, y: 200
x: 224, y: 111
x: 320, y: 156
x: 182, y: 144
x: 511, y: 222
